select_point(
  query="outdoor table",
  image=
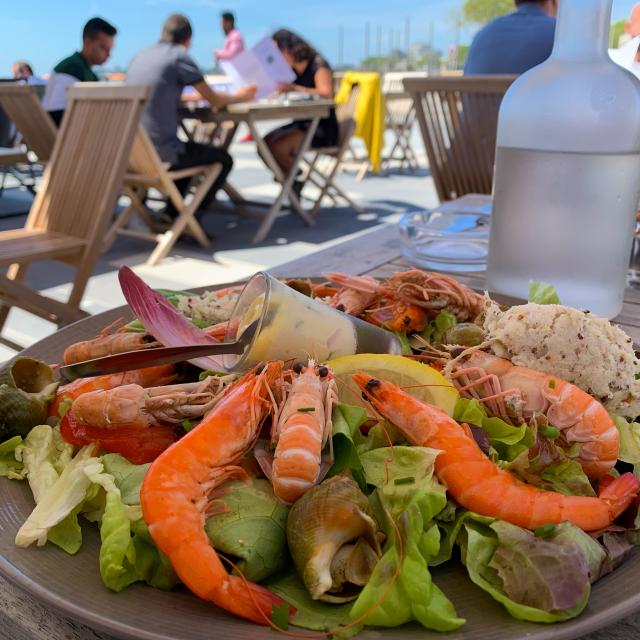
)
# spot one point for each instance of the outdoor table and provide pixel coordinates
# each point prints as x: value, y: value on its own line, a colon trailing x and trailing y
x: 251, y: 113
x: 378, y: 253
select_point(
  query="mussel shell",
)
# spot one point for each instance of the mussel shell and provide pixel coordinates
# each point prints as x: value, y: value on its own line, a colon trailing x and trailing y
x: 328, y: 517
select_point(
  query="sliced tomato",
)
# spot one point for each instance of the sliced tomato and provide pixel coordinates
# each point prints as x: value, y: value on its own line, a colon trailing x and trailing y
x: 136, y: 445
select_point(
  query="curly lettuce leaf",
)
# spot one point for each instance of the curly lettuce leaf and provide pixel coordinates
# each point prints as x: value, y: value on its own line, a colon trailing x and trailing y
x: 11, y: 466
x: 546, y: 465
x: 408, y: 497
x: 543, y: 293
x: 347, y: 420
x: 506, y: 440
x: 127, y: 553
x: 251, y: 526
x: 413, y: 595
x: 535, y: 579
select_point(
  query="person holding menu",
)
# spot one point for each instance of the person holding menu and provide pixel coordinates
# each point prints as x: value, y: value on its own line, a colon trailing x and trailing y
x: 313, y: 77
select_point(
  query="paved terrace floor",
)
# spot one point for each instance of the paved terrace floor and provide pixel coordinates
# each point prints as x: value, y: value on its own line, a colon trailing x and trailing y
x: 385, y: 197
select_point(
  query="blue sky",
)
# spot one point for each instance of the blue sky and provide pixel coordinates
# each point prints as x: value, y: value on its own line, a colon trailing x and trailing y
x: 43, y: 32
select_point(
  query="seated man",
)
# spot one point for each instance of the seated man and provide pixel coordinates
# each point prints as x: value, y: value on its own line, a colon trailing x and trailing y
x: 514, y: 43
x: 167, y: 67
x: 23, y: 71
x: 97, y: 41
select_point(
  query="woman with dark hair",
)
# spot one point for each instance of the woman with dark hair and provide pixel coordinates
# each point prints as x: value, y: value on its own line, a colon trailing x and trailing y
x: 314, y: 77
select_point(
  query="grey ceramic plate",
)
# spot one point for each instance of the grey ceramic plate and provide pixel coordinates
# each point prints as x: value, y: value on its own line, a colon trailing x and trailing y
x: 72, y: 585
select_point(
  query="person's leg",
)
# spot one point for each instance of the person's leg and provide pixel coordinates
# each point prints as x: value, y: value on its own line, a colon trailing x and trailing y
x: 194, y: 155
x: 285, y: 149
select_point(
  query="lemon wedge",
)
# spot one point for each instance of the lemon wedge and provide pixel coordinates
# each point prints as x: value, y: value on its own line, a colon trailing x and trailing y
x: 420, y: 380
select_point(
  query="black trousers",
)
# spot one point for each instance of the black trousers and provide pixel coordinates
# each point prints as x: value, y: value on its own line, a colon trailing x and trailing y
x: 196, y: 154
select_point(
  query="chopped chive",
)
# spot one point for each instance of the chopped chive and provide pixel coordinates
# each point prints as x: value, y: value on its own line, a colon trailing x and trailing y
x: 544, y: 531
x: 306, y: 409
x: 549, y: 432
x: 407, y: 480
x: 637, y: 376
x: 280, y: 616
x: 187, y: 425
x: 552, y: 384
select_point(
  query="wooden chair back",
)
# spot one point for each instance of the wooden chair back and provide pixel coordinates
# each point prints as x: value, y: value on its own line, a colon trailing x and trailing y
x: 458, y: 118
x: 144, y: 159
x: 22, y: 105
x: 82, y: 181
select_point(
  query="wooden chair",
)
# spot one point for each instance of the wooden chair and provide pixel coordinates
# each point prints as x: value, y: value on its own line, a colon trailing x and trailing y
x: 21, y: 104
x: 321, y: 168
x: 147, y: 171
x: 458, y: 119
x: 400, y: 115
x: 76, y: 199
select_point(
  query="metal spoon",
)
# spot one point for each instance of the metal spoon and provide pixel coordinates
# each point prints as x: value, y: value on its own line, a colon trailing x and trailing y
x: 151, y: 357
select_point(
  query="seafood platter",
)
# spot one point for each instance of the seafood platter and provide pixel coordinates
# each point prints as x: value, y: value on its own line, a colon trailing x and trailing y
x: 482, y: 483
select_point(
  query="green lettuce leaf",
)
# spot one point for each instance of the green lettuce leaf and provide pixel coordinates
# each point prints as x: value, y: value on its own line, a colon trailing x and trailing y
x: 534, y: 578
x: 127, y: 476
x: 127, y: 553
x: 404, y: 342
x: 408, y: 497
x: 311, y: 614
x: 434, y: 331
x: 629, y: 439
x: 508, y: 441
x: 543, y: 293
x: 10, y: 466
x: 64, y: 496
x: 413, y: 595
x: 347, y: 420
x: 44, y: 455
x: 251, y: 526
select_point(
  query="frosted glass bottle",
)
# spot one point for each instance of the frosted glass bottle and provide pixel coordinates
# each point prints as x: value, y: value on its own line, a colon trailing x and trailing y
x: 567, y: 175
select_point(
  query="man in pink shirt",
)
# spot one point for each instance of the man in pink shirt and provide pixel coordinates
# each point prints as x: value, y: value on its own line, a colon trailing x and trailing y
x: 233, y: 42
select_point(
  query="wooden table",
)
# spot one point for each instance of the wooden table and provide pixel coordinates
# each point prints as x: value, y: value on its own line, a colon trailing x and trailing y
x: 377, y: 252
x: 251, y: 113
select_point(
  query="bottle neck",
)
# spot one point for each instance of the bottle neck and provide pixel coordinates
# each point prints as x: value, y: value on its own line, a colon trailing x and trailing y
x: 582, y: 30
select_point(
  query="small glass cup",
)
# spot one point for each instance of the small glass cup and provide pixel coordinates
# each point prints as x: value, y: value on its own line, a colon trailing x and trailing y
x: 446, y: 240
x: 290, y: 326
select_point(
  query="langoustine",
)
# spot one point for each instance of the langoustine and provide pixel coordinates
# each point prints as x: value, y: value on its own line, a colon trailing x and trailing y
x: 176, y: 492
x: 516, y: 393
x: 301, y: 429
x: 477, y: 483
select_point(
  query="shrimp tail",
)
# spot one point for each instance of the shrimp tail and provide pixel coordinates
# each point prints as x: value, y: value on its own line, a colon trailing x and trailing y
x: 619, y: 492
x: 249, y: 600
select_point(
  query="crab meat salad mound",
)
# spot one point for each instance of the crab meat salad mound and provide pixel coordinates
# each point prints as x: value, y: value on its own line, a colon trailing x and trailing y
x: 577, y: 346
